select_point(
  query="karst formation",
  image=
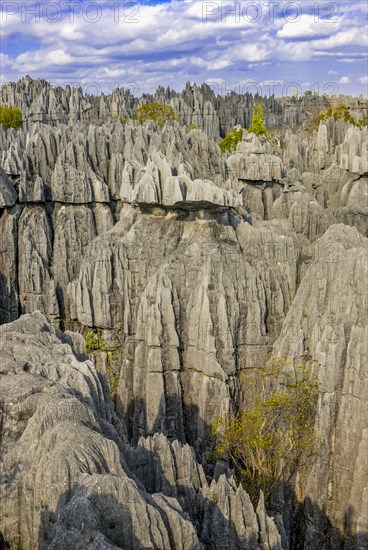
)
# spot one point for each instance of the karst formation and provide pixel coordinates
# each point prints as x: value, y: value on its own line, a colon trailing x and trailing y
x: 190, y: 267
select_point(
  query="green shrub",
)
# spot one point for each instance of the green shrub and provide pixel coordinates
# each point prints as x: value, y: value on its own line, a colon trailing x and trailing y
x: 274, y: 433
x: 10, y: 117
x: 95, y: 341
x: 341, y: 112
x: 157, y: 112
x: 258, y: 126
x: 231, y: 140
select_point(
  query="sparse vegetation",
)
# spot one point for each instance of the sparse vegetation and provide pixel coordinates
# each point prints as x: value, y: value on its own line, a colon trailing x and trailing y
x: 157, y: 112
x: 274, y: 433
x: 231, y: 140
x: 95, y: 342
x: 341, y: 112
x: 258, y: 126
x: 10, y: 117
x: 123, y: 119
x: 192, y: 126
x: 113, y: 378
x: 276, y: 137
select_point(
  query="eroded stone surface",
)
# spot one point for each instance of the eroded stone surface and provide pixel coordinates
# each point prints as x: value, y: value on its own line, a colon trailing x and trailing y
x: 200, y: 265
x: 70, y: 475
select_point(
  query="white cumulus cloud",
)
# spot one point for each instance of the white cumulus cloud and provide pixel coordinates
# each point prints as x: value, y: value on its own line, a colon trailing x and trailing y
x: 171, y: 43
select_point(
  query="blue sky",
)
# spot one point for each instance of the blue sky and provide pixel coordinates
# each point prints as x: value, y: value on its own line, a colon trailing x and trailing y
x: 267, y: 46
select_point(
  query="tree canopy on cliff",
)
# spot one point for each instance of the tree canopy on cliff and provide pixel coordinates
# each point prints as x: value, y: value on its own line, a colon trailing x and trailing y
x: 158, y: 112
x: 258, y: 126
x: 231, y: 140
x: 10, y: 117
x: 273, y: 433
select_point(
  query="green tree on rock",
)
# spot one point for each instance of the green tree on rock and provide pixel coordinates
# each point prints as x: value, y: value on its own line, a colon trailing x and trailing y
x: 258, y: 126
x: 273, y: 433
x: 10, y: 117
x: 231, y: 140
x: 158, y: 112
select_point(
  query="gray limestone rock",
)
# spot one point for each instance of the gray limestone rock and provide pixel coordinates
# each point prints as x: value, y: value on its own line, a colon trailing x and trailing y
x: 8, y: 195
x: 199, y: 265
x: 69, y: 473
x: 326, y: 328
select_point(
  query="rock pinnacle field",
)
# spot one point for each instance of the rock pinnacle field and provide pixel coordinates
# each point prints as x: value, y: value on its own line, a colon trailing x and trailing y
x: 183, y: 320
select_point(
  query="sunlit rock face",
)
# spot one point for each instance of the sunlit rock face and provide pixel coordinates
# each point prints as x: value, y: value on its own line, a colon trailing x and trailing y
x: 201, y: 265
x: 327, y: 323
x: 69, y: 472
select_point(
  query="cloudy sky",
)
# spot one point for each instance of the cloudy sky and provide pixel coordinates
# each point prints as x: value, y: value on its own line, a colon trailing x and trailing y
x: 270, y: 46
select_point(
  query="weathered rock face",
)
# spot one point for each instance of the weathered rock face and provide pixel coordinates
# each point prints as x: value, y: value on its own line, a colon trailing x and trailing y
x: 222, y: 510
x: 197, y: 105
x: 254, y: 161
x: 332, y: 335
x: 8, y: 195
x: 69, y: 480
x: 200, y: 265
x: 189, y: 331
